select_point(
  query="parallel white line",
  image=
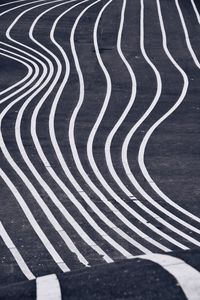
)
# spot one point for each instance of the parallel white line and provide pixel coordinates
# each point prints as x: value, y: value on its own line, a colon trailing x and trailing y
x: 82, y: 210
x: 74, y: 148
x: 63, y: 210
x: 155, y: 126
x: 32, y: 189
x: 12, y: 2
x: 102, y: 232
x: 24, y: 57
x: 68, y: 241
x: 135, y: 127
x: 36, y: 72
x: 45, y: 241
x: 40, y: 201
x: 109, y: 140
x: 196, y: 11
x: 108, y: 150
x: 187, y: 37
x: 28, y: 75
x: 187, y: 276
x: 48, y: 288
x: 89, y: 219
x: 16, y: 254
x: 19, y: 6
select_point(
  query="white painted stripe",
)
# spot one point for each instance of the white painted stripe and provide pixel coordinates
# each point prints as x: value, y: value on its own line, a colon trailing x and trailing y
x: 73, y: 144
x: 196, y: 11
x: 12, y: 55
x: 19, y: 6
x: 79, y: 230
x: 71, y: 246
x: 72, y: 221
x: 110, y: 137
x: 153, y: 128
x: 48, y: 288
x: 12, y: 2
x: 186, y: 276
x: 36, y: 74
x: 17, y: 256
x: 88, y: 218
x: 56, y: 257
x: 187, y: 37
x: 42, y: 204
x: 25, y: 86
x: 108, y: 148
x: 141, y: 152
x: 19, y: 171
x: 75, y: 183
x: 167, y: 224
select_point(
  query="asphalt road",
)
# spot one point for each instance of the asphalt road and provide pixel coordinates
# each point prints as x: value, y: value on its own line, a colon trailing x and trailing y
x: 99, y: 160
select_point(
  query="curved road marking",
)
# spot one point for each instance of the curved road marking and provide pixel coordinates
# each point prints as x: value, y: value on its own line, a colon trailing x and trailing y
x: 141, y: 151
x: 17, y: 256
x: 109, y: 141
x: 196, y: 11
x: 186, y: 276
x: 26, y: 77
x: 187, y: 37
x: 73, y: 144
x: 155, y: 126
x: 56, y: 257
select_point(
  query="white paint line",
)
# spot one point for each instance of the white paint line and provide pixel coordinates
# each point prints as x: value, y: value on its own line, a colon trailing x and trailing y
x: 90, y: 140
x: 155, y: 126
x: 187, y: 277
x: 44, y: 207
x: 13, y: 2
x: 27, y: 84
x: 71, y: 246
x: 49, y: 247
x: 109, y: 141
x: 48, y: 288
x: 19, y: 6
x: 133, y: 130
x: 17, y: 256
x: 75, y: 183
x: 53, y: 197
x: 187, y: 37
x: 196, y: 11
x: 142, y: 147
x: 11, y: 55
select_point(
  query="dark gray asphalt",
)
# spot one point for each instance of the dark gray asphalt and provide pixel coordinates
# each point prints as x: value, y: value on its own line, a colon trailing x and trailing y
x: 171, y: 156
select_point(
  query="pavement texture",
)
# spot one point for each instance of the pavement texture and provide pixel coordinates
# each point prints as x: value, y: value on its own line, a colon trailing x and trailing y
x: 99, y: 149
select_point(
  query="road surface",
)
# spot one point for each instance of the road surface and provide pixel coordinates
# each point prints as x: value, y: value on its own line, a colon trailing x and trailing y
x: 99, y: 136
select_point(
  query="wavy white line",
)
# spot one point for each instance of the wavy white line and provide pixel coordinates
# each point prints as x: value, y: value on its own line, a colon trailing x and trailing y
x: 29, y: 73
x: 196, y: 11
x: 45, y: 241
x: 162, y: 119
x: 26, y: 77
x: 73, y: 143
x: 147, y: 137
x: 16, y: 254
x: 141, y: 152
x: 111, y: 136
